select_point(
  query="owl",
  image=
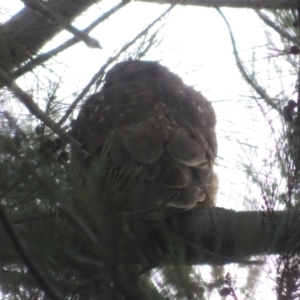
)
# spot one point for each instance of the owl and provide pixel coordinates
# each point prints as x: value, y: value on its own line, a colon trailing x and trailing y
x: 155, y: 127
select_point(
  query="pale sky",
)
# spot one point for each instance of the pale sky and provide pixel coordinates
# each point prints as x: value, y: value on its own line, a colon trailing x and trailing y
x: 196, y: 45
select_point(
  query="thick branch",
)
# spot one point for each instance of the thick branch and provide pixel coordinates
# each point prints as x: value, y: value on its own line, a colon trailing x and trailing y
x: 40, y: 59
x: 53, y: 17
x: 26, y: 32
x: 199, y: 236
x: 279, y: 4
x: 219, y: 236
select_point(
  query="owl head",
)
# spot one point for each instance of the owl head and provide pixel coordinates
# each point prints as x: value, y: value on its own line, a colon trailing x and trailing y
x: 135, y: 70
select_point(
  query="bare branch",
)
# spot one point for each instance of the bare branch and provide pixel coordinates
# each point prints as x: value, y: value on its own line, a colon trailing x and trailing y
x: 100, y: 73
x: 49, y: 289
x: 257, y: 4
x: 298, y: 100
x: 46, y: 56
x: 283, y: 33
x: 34, y: 109
x: 54, y: 17
x: 250, y: 79
x: 21, y: 38
x: 19, y: 43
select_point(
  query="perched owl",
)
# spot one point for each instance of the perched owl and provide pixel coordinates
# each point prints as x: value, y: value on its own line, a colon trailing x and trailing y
x: 157, y: 128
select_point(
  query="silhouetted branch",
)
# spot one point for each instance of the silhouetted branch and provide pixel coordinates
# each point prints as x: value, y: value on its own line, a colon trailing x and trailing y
x: 258, y: 4
x: 21, y: 38
x: 101, y: 72
x: 54, y: 17
x: 46, y: 56
x: 34, y: 109
x: 249, y: 79
x: 49, y: 289
x: 283, y: 33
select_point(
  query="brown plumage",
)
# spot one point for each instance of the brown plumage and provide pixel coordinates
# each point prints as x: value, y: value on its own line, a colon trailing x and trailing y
x: 158, y: 125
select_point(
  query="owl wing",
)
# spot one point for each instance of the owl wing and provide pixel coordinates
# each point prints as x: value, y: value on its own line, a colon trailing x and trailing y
x: 162, y: 131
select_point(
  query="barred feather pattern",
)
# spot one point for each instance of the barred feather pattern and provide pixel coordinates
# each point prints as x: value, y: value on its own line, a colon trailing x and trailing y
x: 158, y: 128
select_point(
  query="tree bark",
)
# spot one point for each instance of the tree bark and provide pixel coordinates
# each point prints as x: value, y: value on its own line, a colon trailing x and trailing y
x: 26, y: 32
x: 212, y: 236
x: 217, y: 236
x: 257, y: 4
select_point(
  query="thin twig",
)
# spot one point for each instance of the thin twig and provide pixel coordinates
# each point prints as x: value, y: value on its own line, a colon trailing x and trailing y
x: 49, y: 289
x: 53, y: 17
x: 298, y: 100
x: 69, y: 213
x: 100, y: 73
x: 46, y: 56
x: 250, y: 80
x: 283, y: 33
x: 34, y: 109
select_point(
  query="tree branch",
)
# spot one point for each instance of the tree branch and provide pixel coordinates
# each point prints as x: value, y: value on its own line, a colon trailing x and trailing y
x: 283, y: 33
x: 49, y: 289
x: 100, y: 73
x: 53, y: 17
x: 26, y: 32
x: 46, y: 56
x: 249, y: 79
x: 216, y: 236
x: 34, y: 109
x: 257, y: 4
